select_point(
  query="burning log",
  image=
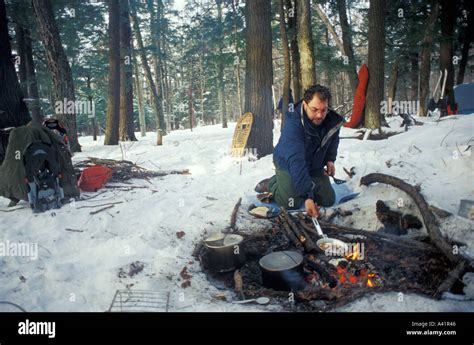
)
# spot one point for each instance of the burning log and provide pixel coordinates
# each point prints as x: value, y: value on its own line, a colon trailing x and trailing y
x: 322, y: 271
x: 300, y: 234
x: 291, y: 236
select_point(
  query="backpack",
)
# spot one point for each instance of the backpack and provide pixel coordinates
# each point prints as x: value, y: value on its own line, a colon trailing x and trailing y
x: 42, y: 177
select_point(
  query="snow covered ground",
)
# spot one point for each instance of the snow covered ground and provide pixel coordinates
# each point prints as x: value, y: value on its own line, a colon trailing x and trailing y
x: 80, y: 270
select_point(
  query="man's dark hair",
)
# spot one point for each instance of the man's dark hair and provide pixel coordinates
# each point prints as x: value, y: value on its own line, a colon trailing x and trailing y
x: 322, y: 92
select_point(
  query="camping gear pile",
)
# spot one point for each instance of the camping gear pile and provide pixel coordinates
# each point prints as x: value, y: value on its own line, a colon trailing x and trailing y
x: 37, y: 168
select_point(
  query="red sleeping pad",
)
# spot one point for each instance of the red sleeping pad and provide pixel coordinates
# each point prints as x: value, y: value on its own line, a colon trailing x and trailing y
x: 359, y: 98
x: 94, y: 178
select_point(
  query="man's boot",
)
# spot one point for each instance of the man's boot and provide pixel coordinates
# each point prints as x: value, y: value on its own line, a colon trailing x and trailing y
x: 262, y: 186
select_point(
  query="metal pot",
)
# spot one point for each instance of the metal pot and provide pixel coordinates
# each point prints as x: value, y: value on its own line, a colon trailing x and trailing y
x: 282, y: 271
x: 224, y: 253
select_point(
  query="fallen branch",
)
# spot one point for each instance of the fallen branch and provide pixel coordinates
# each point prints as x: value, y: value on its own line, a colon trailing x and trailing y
x: 13, y: 209
x: 93, y: 206
x: 102, y: 209
x: 74, y: 230
x: 452, y: 278
x: 393, y: 240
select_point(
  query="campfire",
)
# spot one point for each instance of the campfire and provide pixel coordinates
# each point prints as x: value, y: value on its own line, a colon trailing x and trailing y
x: 329, y: 275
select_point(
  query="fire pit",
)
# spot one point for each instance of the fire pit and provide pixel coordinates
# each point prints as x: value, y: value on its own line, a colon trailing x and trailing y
x: 373, y: 263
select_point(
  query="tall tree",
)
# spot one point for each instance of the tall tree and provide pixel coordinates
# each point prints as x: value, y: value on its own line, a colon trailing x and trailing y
x: 220, y: 66
x: 305, y: 44
x: 425, y: 58
x: 468, y: 34
x: 156, y: 43
x: 392, y: 84
x: 13, y: 110
x: 126, y: 127
x: 156, y: 101
x: 113, y: 97
x: 237, y: 54
x: 448, y: 19
x: 32, y: 82
x: 292, y: 7
x: 414, y: 73
x: 259, y: 75
x: 376, y: 60
x: 21, y: 57
x: 139, y: 93
x: 347, y: 43
x: 63, y: 90
x: 287, y: 62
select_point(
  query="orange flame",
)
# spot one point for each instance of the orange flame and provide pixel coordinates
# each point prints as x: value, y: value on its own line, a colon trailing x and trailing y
x: 369, y: 280
x: 355, y: 253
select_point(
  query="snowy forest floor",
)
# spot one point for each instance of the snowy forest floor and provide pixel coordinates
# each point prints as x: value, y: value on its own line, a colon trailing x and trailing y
x: 81, y: 270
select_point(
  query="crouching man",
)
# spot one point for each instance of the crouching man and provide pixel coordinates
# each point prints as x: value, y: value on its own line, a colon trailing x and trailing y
x: 305, y: 155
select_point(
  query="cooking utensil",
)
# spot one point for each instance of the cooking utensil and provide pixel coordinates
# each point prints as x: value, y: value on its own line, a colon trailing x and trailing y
x: 336, y: 247
x: 224, y: 253
x: 259, y: 300
x: 282, y: 271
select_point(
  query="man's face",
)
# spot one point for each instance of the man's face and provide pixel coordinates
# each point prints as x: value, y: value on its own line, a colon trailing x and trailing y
x: 316, y: 110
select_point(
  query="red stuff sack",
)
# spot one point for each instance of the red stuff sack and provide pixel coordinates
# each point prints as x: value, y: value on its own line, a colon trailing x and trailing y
x: 94, y: 178
x: 359, y: 98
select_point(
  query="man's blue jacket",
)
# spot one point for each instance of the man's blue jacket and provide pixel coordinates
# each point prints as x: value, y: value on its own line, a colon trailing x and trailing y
x: 304, y: 148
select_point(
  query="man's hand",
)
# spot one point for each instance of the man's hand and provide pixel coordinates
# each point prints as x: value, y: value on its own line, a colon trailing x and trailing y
x: 311, y: 208
x: 330, y: 169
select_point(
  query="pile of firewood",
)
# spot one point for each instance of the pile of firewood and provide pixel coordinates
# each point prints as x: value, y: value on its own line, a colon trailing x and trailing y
x: 123, y: 170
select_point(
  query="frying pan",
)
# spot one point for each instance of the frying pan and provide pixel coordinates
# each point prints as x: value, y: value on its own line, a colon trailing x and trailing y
x: 325, y: 241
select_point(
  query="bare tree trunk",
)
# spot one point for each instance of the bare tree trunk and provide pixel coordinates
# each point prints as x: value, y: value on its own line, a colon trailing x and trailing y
x: 13, y: 110
x: 448, y: 18
x: 237, y: 53
x: 392, y: 84
x: 21, y: 57
x: 375, y: 88
x: 113, y: 102
x: 146, y: 66
x: 220, y: 67
x: 286, y: 59
x: 126, y: 126
x: 295, y: 55
x: 468, y: 34
x: 33, y: 93
x: 347, y: 43
x: 59, y: 67
x: 201, y: 86
x: 414, y: 75
x: 259, y: 75
x: 139, y: 92
x: 425, y: 59
x: 305, y: 44
x: 93, y: 121
x: 156, y: 56
x: 291, y: 7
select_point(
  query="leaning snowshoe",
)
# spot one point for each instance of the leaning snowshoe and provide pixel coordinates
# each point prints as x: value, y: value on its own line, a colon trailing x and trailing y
x: 42, y: 176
